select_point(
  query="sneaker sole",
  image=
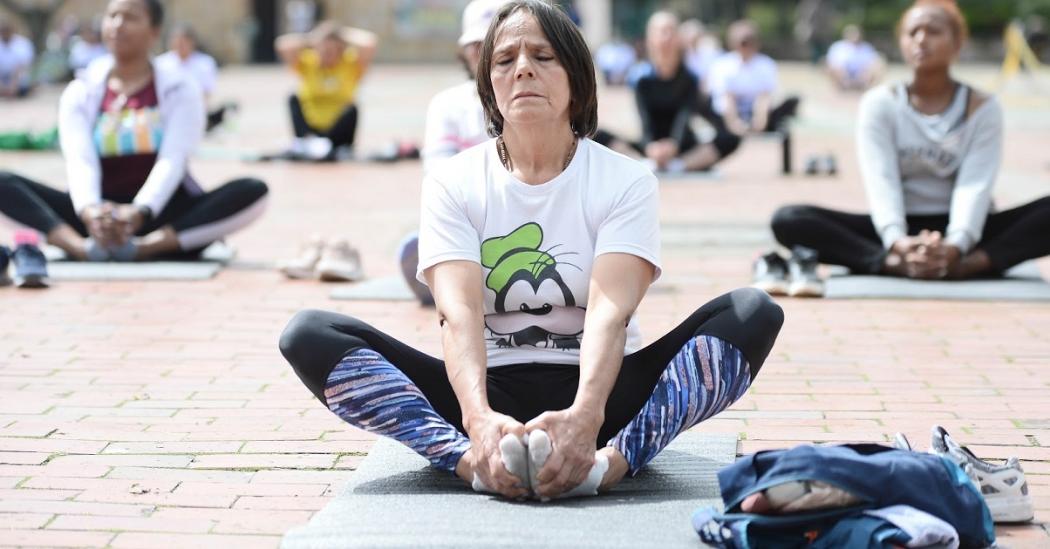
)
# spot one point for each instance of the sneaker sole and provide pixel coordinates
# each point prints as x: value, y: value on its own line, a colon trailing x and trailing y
x: 1011, y: 509
x: 32, y: 281
x: 298, y: 274
x: 806, y: 290
x: 772, y: 288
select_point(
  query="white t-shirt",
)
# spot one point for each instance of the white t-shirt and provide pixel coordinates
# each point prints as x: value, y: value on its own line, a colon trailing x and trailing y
x: 83, y: 53
x: 455, y: 122
x: 730, y: 75
x: 852, y: 58
x: 700, y: 59
x: 200, y: 65
x: 537, y: 243
x: 15, y: 53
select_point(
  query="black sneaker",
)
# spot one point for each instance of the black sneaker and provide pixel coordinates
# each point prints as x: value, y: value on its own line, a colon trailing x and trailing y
x: 802, y: 269
x: 831, y: 166
x: 770, y: 274
x: 30, y: 267
x: 812, y: 165
x: 5, y: 259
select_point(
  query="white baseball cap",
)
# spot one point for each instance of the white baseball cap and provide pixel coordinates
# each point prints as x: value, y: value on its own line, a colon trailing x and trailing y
x: 476, y: 19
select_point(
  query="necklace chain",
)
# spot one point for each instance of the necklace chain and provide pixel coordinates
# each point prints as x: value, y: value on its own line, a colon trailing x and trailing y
x: 504, y: 156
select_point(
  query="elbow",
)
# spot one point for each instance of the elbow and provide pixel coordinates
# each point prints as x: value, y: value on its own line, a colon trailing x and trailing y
x: 460, y: 316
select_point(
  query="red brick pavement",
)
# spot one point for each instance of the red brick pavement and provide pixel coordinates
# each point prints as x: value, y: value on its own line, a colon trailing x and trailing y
x: 160, y: 414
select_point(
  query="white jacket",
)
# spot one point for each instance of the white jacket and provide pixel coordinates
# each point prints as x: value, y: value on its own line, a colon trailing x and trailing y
x: 182, y: 113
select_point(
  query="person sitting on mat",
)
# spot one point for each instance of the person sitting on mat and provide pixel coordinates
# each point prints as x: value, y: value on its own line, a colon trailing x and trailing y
x: 539, y: 245
x: 455, y: 123
x: 330, y: 62
x: 667, y: 95
x: 16, y: 61
x: 853, y: 64
x: 127, y: 128
x: 929, y: 152
x: 742, y: 84
x: 184, y: 53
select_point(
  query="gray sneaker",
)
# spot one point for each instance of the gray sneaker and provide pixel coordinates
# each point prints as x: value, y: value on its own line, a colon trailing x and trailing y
x: 802, y: 272
x: 770, y: 274
x: 1003, y: 486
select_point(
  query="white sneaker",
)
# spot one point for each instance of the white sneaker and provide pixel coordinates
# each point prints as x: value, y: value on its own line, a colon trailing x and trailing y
x: 1003, y: 486
x: 802, y: 272
x: 304, y: 266
x: 340, y: 262
x: 317, y: 148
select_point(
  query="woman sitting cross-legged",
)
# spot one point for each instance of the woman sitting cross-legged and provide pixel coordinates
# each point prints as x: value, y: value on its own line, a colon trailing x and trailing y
x: 667, y: 95
x: 127, y: 128
x: 929, y: 154
x: 538, y: 245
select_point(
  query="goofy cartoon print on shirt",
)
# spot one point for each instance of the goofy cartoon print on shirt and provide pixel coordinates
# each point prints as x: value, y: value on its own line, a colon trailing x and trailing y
x: 534, y: 306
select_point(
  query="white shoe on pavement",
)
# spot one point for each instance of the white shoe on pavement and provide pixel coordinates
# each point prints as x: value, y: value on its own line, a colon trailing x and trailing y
x: 340, y: 262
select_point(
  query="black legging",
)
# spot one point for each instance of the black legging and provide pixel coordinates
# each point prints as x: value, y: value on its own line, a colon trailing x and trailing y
x: 341, y: 133
x: 1010, y: 237
x: 777, y: 116
x: 315, y: 341
x: 43, y: 208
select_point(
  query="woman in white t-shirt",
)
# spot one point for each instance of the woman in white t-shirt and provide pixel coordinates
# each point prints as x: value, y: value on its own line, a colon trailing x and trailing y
x: 455, y: 123
x: 853, y: 64
x: 530, y: 241
x: 742, y: 84
x: 186, y: 55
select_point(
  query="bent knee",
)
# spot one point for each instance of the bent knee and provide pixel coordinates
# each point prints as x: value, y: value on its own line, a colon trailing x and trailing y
x: 786, y: 221
x: 786, y: 216
x: 298, y: 335
x: 251, y: 188
x: 757, y: 311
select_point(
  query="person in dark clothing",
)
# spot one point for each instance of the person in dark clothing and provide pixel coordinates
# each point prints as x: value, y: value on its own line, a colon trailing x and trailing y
x: 667, y: 95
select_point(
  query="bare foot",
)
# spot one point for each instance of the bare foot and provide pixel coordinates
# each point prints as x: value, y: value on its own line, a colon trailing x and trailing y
x: 617, y: 468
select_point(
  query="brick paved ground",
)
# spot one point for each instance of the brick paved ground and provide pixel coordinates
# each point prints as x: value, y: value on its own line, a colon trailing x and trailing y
x: 161, y: 414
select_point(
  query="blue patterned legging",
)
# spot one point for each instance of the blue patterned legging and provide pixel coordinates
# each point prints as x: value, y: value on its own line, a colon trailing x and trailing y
x: 378, y: 384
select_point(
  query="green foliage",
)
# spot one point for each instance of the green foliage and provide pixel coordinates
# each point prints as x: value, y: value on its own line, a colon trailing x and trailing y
x: 986, y: 18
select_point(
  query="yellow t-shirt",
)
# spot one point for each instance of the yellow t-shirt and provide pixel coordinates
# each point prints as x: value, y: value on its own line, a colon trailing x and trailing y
x: 326, y: 91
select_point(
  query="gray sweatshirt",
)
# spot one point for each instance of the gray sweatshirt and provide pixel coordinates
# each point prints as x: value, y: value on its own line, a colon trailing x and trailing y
x: 928, y: 164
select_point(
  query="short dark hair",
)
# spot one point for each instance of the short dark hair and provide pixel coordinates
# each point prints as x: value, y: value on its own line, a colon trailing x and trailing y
x: 569, y: 48
x: 155, y: 10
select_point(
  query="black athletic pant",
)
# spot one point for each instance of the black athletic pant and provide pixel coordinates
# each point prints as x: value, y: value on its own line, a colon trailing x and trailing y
x: 787, y: 109
x: 205, y: 216
x: 316, y: 341
x: 341, y: 133
x: 1010, y: 237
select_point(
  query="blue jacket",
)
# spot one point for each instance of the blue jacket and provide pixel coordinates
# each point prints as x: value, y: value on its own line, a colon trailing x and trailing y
x: 879, y: 476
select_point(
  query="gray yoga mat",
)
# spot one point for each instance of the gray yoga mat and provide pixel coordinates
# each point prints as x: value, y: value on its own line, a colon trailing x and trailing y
x: 213, y: 258
x: 394, y: 500
x: 706, y: 175
x: 1022, y: 283
x: 390, y: 288
x: 159, y: 270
